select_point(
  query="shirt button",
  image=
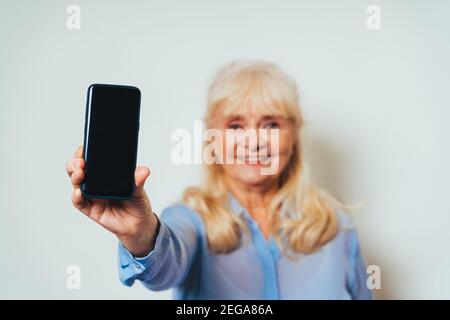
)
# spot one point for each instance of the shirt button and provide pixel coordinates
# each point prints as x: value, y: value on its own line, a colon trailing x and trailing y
x: 138, y: 267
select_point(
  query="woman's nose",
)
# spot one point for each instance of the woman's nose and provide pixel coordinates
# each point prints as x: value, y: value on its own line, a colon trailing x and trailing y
x: 258, y: 144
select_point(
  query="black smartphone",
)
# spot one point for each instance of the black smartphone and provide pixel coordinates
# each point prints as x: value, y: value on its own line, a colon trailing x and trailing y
x: 110, y: 146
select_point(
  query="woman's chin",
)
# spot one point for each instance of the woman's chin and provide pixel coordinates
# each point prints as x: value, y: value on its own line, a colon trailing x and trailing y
x: 252, y: 175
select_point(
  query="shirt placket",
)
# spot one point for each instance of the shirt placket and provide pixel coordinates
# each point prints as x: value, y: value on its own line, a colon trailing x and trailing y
x: 268, y: 255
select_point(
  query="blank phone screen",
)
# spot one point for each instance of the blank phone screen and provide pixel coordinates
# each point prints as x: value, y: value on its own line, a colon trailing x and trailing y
x: 111, y: 140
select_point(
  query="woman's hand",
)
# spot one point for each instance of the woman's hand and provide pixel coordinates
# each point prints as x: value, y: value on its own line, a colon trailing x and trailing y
x: 132, y: 221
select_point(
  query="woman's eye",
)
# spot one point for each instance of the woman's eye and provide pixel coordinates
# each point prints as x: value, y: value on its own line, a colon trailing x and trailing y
x: 271, y: 125
x: 234, y: 126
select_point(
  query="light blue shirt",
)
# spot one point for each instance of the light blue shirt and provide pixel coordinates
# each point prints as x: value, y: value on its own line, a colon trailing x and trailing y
x: 182, y: 260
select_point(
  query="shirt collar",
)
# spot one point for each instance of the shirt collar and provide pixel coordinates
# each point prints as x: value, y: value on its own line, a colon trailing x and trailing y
x: 236, y: 207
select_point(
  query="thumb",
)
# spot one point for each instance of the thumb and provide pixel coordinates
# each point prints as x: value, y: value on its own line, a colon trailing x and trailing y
x: 140, y: 176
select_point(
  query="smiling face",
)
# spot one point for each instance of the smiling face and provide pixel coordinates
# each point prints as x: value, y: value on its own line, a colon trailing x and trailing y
x: 259, y: 146
x: 246, y: 98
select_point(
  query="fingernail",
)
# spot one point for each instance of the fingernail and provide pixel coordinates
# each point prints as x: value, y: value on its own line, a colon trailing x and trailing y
x: 76, y: 164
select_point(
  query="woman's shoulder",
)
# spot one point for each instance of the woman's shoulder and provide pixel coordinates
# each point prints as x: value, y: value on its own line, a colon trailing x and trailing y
x: 345, y: 220
x: 347, y: 232
x: 179, y: 212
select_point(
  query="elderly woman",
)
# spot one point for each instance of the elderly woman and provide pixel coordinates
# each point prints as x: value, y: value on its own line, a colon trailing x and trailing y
x: 242, y: 234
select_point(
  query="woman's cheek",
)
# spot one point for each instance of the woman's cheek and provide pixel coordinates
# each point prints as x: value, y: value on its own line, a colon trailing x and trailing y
x: 285, y: 149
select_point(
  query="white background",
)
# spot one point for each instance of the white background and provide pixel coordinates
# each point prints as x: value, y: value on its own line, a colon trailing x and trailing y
x: 376, y: 102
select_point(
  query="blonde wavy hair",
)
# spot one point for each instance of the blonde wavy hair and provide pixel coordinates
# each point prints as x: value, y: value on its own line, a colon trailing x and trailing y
x: 301, y: 215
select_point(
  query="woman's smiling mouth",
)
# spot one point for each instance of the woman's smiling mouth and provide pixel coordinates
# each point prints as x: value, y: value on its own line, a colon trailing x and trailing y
x: 253, y: 160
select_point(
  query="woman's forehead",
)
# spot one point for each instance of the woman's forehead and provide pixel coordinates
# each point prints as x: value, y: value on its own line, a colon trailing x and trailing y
x: 252, y: 116
x: 251, y: 112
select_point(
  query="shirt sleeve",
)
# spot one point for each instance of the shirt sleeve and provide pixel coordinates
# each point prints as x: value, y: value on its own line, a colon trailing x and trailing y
x: 357, y: 275
x: 168, y: 264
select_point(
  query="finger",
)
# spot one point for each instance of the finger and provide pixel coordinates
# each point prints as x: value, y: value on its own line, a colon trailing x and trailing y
x: 69, y: 168
x: 77, y: 178
x: 79, y: 202
x: 79, y: 152
x: 97, y: 209
x: 92, y: 209
x: 140, y: 176
x: 73, y: 164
